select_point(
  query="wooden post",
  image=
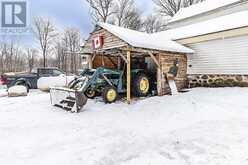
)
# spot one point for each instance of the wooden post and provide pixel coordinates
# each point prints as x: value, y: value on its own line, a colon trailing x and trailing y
x: 159, y: 78
x: 119, y: 62
x: 103, y: 62
x: 128, y: 77
x: 90, y: 61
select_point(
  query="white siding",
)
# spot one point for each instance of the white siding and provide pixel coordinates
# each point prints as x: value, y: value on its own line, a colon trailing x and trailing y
x: 223, y: 56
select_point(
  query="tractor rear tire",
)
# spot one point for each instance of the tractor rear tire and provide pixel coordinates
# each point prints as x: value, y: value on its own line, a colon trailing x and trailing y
x: 109, y: 94
x: 141, y: 85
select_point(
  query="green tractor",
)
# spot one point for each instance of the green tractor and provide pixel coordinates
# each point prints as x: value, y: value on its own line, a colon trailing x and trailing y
x: 108, y: 83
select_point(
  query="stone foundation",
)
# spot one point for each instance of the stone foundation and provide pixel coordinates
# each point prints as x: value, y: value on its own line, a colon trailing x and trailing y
x: 217, y: 81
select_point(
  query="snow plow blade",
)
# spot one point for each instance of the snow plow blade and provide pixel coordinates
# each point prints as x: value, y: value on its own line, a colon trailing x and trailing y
x: 67, y: 99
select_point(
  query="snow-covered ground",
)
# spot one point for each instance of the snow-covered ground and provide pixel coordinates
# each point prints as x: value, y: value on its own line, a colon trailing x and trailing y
x: 3, y: 91
x: 201, y: 127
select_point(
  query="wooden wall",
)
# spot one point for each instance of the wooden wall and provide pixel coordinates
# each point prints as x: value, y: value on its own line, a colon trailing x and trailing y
x: 166, y: 61
x: 105, y: 61
x: 110, y: 40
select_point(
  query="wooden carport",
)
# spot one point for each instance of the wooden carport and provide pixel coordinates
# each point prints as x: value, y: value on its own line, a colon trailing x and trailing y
x: 112, y: 44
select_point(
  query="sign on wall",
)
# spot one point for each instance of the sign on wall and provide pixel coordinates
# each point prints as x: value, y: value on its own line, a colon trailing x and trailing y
x: 97, y: 42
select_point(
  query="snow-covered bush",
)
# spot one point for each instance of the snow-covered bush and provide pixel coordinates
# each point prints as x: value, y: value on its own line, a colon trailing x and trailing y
x: 17, y: 90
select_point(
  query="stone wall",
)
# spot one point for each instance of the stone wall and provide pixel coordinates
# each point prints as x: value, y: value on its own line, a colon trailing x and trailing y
x: 217, y: 81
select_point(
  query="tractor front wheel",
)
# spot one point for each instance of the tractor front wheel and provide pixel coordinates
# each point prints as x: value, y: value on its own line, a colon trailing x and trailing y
x: 109, y: 94
x: 90, y: 93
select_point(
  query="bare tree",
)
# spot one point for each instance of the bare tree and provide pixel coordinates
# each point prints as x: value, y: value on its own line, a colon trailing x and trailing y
x: 12, y: 57
x: 44, y: 32
x: 135, y: 21
x: 101, y: 10
x: 154, y: 23
x: 72, y: 43
x: 171, y: 7
x: 127, y: 15
x: 31, y: 58
x: 3, y: 53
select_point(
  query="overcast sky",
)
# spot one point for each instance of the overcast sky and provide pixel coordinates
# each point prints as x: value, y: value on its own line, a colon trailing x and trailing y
x: 72, y: 13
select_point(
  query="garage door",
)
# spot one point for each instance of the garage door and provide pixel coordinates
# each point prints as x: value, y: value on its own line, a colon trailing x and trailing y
x: 223, y: 56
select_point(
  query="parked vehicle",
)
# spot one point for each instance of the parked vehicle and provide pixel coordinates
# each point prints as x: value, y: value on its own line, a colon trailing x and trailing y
x: 108, y: 83
x: 29, y: 80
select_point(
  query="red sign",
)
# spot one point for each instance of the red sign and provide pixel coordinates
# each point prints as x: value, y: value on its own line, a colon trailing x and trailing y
x: 98, y: 42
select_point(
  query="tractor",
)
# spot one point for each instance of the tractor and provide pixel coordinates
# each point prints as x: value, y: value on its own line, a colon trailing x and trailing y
x: 105, y: 82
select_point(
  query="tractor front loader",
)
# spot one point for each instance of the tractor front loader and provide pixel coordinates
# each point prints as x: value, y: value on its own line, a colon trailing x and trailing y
x: 108, y: 83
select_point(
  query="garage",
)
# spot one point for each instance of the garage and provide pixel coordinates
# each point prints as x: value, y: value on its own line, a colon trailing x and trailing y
x: 219, y: 63
x: 221, y: 56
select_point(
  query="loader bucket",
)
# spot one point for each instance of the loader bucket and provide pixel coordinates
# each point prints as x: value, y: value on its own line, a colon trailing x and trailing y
x: 67, y: 99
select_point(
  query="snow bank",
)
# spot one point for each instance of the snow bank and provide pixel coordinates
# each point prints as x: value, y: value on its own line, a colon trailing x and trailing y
x: 3, y: 91
x: 17, y: 90
x: 45, y: 83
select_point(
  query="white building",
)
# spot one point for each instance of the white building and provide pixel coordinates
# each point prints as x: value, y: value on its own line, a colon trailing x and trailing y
x: 217, y: 30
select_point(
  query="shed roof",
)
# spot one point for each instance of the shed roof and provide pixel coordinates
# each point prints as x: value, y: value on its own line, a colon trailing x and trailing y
x: 145, y: 40
x: 232, y: 21
x: 200, y: 8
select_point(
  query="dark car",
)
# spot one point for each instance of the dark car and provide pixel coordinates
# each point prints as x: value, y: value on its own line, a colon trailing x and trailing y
x: 29, y: 79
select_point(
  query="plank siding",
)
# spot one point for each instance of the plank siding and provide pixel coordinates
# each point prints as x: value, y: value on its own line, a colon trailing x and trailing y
x: 107, y: 63
x: 110, y: 40
x: 222, y: 56
x: 167, y: 61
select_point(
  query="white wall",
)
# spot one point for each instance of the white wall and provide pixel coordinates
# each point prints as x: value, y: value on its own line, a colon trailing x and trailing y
x: 223, y: 56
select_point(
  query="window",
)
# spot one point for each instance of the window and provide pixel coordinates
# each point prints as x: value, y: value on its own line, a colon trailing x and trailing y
x: 45, y: 72
x: 57, y: 72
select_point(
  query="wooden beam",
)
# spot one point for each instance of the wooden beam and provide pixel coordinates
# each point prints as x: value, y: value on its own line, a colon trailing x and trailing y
x: 123, y: 57
x: 159, y: 78
x: 128, y: 77
x: 103, y: 61
x: 119, y: 62
x: 90, y: 61
x: 94, y: 56
x: 144, y: 51
x: 154, y: 59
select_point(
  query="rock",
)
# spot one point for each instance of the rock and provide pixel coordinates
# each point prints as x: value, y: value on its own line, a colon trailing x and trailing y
x: 212, y: 76
x: 229, y: 83
x: 219, y: 82
x: 205, y: 77
x: 239, y: 78
x: 210, y: 81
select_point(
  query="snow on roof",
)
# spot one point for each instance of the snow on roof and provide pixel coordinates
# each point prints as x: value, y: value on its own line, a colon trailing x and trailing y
x: 144, y: 40
x: 200, y: 8
x: 227, y: 22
